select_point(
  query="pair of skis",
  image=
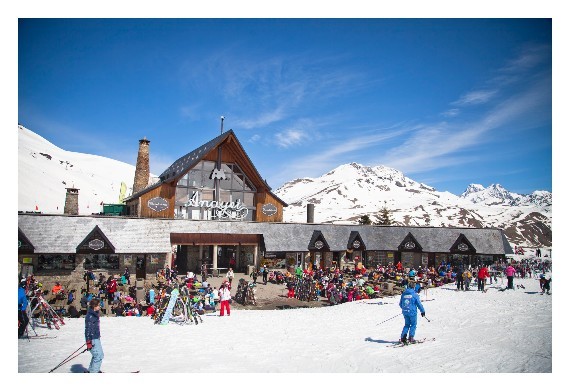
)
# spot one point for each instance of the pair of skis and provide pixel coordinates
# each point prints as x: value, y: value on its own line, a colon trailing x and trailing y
x: 400, y: 344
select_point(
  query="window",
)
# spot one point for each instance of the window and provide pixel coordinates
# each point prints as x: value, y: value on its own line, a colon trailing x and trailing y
x: 199, y: 181
x: 56, y: 262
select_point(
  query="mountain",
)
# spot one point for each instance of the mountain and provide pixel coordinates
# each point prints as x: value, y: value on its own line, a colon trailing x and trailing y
x: 340, y: 196
x: 45, y: 171
x: 497, y: 195
x: 349, y: 191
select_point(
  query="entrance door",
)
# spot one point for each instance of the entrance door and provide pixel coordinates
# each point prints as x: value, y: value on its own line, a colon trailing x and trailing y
x: 227, y: 255
x: 140, y: 266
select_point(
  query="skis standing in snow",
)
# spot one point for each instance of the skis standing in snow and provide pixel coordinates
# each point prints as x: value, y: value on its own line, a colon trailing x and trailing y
x: 410, y: 303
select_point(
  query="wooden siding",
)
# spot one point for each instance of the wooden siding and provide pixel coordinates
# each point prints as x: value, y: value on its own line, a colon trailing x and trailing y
x: 214, y: 238
x: 265, y: 198
x: 166, y: 191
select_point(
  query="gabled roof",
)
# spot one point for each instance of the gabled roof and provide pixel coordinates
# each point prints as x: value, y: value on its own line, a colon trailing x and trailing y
x: 462, y: 246
x: 96, y: 242
x: 410, y: 244
x: 24, y: 244
x: 186, y: 162
x: 318, y: 242
x: 355, y: 242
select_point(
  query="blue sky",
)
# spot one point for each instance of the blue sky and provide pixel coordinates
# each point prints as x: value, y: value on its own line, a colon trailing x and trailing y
x: 448, y: 102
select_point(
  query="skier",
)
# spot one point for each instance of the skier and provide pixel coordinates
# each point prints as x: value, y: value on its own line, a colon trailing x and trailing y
x: 410, y: 303
x: 482, y: 277
x: 545, y: 284
x: 510, y: 272
x: 265, y: 271
x: 459, y: 278
x: 225, y: 297
x: 93, y: 336
x: 22, y: 305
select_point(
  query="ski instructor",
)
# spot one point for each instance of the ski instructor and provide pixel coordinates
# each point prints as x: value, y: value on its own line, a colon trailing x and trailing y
x: 93, y: 336
x: 410, y: 303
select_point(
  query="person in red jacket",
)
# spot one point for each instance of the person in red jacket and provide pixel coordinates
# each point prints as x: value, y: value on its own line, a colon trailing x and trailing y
x: 482, y: 276
x: 111, y: 288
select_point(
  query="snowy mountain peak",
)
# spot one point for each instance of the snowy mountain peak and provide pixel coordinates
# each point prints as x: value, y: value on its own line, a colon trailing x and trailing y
x: 472, y: 188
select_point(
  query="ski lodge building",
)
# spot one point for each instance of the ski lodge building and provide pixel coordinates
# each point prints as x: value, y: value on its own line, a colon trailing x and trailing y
x: 212, y: 206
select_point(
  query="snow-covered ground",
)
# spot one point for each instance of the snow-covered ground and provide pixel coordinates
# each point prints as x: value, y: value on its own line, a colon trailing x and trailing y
x: 475, y: 332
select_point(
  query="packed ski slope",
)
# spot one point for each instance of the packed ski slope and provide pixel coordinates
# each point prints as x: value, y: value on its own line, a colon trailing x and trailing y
x: 474, y: 332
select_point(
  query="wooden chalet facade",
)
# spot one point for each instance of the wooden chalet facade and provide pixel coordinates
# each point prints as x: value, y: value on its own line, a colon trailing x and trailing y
x: 216, y: 181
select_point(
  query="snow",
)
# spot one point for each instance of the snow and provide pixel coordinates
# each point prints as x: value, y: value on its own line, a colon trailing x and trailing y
x: 45, y: 171
x: 475, y: 332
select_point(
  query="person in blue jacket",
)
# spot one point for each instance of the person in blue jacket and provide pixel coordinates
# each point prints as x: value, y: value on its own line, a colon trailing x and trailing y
x: 93, y: 336
x: 22, y: 306
x: 410, y: 303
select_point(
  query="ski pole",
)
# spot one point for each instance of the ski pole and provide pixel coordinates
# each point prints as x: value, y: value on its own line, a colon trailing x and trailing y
x: 427, y: 319
x: 69, y: 358
x: 389, y: 319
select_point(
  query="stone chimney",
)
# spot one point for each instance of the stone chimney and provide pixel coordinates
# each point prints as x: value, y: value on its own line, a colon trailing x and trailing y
x: 310, y: 213
x: 71, y: 201
x: 142, y: 172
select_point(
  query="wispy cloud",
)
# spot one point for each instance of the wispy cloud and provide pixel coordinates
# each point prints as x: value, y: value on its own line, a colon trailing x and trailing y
x: 262, y: 91
x: 451, y: 113
x: 290, y: 138
x: 335, y: 152
x: 475, y: 97
x: 261, y: 120
x: 254, y: 138
x: 445, y: 144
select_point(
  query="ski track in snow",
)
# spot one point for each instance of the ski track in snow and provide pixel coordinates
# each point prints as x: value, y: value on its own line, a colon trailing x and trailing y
x: 477, y: 332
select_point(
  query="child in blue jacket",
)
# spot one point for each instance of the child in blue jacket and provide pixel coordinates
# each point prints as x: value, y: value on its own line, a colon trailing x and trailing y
x: 410, y: 303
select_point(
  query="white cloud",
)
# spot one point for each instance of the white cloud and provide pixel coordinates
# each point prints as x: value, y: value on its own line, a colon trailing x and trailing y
x: 451, y: 113
x: 475, y: 97
x: 254, y: 138
x: 290, y: 138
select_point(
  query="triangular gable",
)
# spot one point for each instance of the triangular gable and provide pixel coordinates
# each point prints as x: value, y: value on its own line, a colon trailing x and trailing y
x: 318, y: 242
x: 182, y: 165
x: 355, y: 242
x: 462, y: 246
x: 24, y: 244
x: 96, y: 242
x: 410, y: 244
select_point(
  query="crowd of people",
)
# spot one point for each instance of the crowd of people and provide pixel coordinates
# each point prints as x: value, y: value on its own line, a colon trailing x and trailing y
x: 118, y: 297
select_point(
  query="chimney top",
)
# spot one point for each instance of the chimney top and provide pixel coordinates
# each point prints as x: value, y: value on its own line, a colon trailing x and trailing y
x: 144, y: 140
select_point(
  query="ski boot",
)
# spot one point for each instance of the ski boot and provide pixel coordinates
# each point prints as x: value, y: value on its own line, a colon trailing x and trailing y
x: 411, y: 340
x: 404, y: 340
